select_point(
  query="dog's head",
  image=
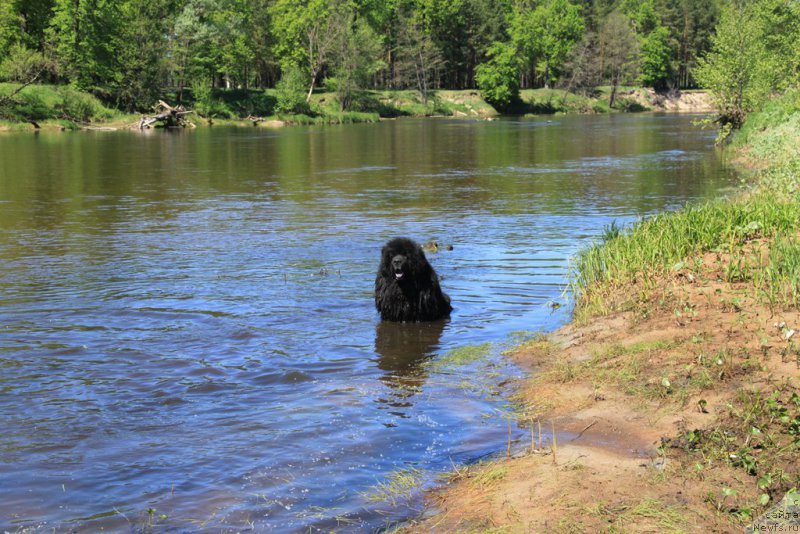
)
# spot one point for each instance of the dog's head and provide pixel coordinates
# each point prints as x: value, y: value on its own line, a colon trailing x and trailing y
x: 402, y: 259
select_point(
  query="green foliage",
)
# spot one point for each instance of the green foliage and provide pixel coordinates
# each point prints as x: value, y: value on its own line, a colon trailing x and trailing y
x: 132, y: 51
x: 497, y: 78
x: 464, y: 31
x: 290, y: 92
x: 46, y: 102
x: 207, y: 103
x: 749, y: 59
x: 642, y: 14
x: 656, y: 56
x: 418, y: 57
x: 308, y: 33
x: 621, y: 51
x: 86, y: 35
x: 357, y: 59
x: 140, y: 61
x: 23, y: 64
x: 546, y: 34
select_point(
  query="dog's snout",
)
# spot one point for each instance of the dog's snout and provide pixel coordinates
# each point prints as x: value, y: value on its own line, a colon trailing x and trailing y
x: 397, y: 261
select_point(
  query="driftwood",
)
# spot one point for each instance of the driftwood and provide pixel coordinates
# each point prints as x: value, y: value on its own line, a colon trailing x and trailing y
x: 169, y: 117
x: 255, y: 120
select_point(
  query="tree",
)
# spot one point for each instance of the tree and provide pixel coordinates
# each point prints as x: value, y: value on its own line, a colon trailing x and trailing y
x: 582, y: 66
x: 463, y: 30
x: 419, y: 60
x: 619, y: 49
x: 23, y: 64
x: 498, y: 78
x: 656, y: 58
x: 137, y: 82
x: 86, y: 34
x: 357, y: 58
x: 10, y: 23
x: 750, y: 57
x: 546, y: 34
x: 691, y: 24
x: 308, y: 34
x: 24, y: 22
x: 290, y: 92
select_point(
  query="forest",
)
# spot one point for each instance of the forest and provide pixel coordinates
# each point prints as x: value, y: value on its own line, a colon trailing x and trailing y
x: 130, y: 53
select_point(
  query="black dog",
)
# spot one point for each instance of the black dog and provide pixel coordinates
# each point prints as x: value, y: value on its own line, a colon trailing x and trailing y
x: 407, y: 288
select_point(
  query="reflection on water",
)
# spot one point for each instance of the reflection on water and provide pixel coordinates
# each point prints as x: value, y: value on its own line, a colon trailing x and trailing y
x: 187, y: 323
x: 402, y: 348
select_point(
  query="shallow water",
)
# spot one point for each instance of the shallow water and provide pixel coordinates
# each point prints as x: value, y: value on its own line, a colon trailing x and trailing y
x: 186, y: 318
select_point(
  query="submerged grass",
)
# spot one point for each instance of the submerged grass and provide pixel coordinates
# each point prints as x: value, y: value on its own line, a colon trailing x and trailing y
x: 460, y: 356
x: 398, y: 486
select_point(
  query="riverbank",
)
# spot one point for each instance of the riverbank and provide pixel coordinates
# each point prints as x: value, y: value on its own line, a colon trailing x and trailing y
x: 673, y: 394
x: 65, y: 108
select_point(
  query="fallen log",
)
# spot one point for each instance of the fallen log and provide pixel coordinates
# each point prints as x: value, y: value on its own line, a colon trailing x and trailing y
x: 255, y: 120
x: 169, y: 117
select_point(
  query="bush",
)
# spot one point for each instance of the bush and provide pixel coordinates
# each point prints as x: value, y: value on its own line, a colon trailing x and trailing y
x: 42, y: 102
x: 246, y: 102
x: 498, y: 79
x: 22, y: 64
x: 206, y: 105
x: 290, y: 92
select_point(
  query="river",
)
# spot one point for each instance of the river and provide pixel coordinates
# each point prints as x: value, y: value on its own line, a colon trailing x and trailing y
x: 188, y: 341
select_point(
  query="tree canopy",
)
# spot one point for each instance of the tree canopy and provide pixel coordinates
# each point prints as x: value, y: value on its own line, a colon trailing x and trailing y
x: 129, y: 51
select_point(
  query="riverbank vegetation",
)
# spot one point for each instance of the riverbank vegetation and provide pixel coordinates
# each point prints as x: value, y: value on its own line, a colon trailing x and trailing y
x: 234, y: 58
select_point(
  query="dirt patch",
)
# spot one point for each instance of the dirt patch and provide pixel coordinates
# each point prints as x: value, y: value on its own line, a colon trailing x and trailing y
x: 673, y: 101
x: 655, y: 410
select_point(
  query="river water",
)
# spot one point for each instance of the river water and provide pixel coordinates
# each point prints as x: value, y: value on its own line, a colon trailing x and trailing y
x: 188, y: 341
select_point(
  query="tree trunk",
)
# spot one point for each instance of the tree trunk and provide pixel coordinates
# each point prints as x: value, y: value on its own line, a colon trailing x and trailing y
x: 311, y: 87
x: 614, y: 84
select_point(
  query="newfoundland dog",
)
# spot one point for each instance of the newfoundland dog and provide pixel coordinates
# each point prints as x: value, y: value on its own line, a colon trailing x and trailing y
x: 407, y: 288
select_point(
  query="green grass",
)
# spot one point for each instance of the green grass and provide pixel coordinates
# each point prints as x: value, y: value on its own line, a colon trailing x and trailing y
x: 460, y: 356
x: 42, y: 103
x: 549, y: 101
x: 398, y: 486
x: 489, y: 475
x: 666, y: 241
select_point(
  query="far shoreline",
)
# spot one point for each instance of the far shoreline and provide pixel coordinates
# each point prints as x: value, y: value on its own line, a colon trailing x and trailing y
x: 466, y: 104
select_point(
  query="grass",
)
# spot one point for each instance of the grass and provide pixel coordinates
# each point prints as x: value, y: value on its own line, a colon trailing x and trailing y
x: 62, y: 105
x: 490, y: 475
x: 667, y: 242
x: 648, y: 512
x: 768, y: 210
x: 460, y: 356
x: 399, y: 486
